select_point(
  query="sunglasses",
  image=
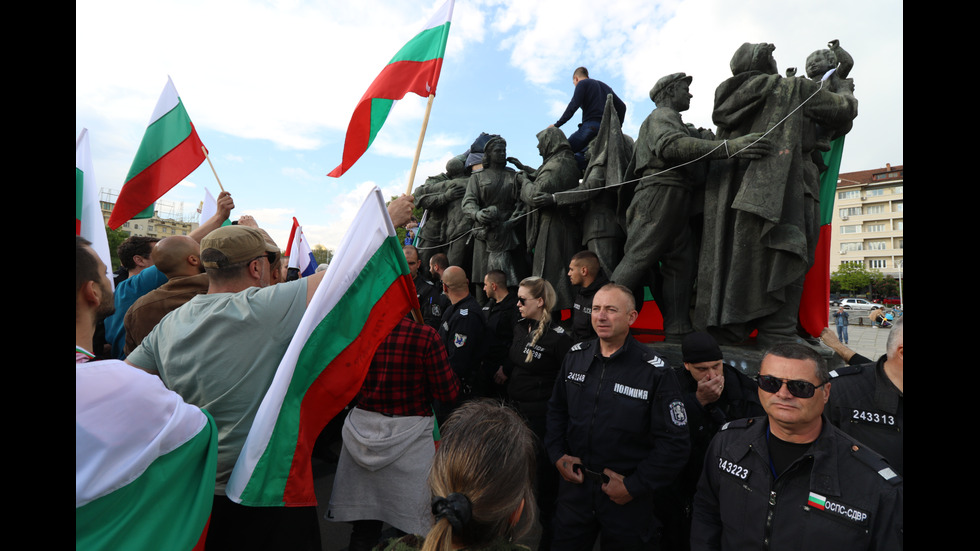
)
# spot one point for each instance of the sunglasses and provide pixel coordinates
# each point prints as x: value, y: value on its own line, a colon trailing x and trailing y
x: 271, y: 256
x: 800, y: 389
x: 522, y: 301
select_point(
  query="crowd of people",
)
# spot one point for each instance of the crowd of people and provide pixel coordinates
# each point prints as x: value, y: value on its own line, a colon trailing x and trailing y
x: 574, y: 425
x: 607, y: 440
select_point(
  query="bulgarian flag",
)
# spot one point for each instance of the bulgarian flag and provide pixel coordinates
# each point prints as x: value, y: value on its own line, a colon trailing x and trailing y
x: 169, y: 152
x: 816, y: 286
x: 88, y: 214
x: 145, y: 462
x: 415, y: 68
x: 364, y: 293
x: 299, y: 252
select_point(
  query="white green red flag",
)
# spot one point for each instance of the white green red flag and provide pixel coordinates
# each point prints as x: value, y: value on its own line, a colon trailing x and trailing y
x: 169, y: 152
x: 299, y: 252
x: 415, y: 68
x: 816, y: 286
x: 145, y: 462
x: 88, y: 213
x: 364, y: 293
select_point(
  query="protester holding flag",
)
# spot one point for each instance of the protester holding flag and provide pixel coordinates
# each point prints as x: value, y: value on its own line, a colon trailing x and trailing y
x: 144, y: 459
x: 245, y: 327
x: 150, y: 278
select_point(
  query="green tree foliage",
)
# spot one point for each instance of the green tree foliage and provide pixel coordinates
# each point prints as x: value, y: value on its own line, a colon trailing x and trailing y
x: 322, y: 254
x: 116, y: 237
x: 885, y: 287
x: 852, y: 278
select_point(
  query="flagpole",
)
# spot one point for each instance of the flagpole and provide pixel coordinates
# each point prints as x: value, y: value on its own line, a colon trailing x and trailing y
x: 208, y: 157
x: 418, y: 148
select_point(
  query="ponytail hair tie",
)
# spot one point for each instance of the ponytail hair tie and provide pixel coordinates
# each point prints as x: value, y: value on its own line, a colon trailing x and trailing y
x: 455, y: 508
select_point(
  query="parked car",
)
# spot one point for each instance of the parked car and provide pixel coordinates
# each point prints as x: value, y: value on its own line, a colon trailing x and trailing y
x: 859, y: 304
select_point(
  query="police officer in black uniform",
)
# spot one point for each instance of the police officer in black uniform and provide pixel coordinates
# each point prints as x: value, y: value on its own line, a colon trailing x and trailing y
x: 617, y: 431
x: 587, y: 278
x: 791, y: 480
x: 431, y: 300
x: 868, y: 401
x: 463, y: 327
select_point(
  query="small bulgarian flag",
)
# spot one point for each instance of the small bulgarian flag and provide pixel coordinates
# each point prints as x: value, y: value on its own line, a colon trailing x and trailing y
x: 88, y: 214
x: 816, y: 500
x: 145, y: 462
x: 299, y: 252
x: 169, y: 152
x: 415, y: 68
x: 816, y: 287
x: 364, y: 293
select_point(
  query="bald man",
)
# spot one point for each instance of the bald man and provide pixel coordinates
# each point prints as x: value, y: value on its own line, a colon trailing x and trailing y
x: 462, y: 326
x: 179, y: 258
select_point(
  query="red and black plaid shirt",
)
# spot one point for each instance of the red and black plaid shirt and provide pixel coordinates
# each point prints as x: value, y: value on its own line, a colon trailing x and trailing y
x: 409, y: 371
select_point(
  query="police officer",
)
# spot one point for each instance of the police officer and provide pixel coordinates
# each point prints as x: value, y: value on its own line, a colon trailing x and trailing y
x: 868, y: 402
x: 791, y: 480
x: 616, y: 432
x: 714, y: 393
x: 587, y: 277
x: 462, y: 329
x: 431, y: 300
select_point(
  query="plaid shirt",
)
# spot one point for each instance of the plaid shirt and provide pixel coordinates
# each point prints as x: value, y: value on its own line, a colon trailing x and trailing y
x: 409, y: 371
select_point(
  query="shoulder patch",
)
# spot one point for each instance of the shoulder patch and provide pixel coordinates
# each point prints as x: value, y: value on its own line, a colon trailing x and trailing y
x: 464, y: 311
x: 656, y: 361
x: 459, y: 340
x: 558, y: 329
x: 576, y: 346
x: 738, y: 424
x: 678, y: 415
x: 846, y: 370
x: 874, y: 461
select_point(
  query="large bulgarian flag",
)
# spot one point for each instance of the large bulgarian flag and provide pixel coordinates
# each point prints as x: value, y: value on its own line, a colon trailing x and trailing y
x: 816, y: 287
x: 145, y: 462
x: 415, y: 68
x: 364, y: 293
x: 88, y: 213
x: 169, y: 152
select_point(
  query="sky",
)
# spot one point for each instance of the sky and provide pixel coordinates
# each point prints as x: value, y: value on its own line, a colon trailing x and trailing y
x: 271, y: 85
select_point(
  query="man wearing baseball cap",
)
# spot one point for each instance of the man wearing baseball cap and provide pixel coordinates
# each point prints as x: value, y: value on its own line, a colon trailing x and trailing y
x: 220, y: 352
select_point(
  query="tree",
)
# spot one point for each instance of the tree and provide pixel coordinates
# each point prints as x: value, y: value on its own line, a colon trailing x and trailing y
x: 322, y: 254
x: 885, y: 287
x: 116, y: 237
x: 853, y: 277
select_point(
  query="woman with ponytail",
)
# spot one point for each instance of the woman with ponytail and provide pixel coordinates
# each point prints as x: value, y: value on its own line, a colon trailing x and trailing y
x: 481, y: 480
x: 535, y: 360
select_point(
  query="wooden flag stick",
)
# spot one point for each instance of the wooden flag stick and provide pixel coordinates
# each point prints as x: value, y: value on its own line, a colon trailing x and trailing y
x: 208, y: 157
x: 418, y: 148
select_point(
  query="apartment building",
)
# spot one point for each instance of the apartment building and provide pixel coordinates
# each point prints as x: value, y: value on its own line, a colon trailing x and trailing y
x: 868, y: 220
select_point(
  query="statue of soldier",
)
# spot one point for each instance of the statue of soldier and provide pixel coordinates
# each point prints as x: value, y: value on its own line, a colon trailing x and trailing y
x: 437, y: 197
x: 658, y: 235
x: 597, y: 194
x: 761, y: 217
x: 492, y: 204
x: 553, y: 233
